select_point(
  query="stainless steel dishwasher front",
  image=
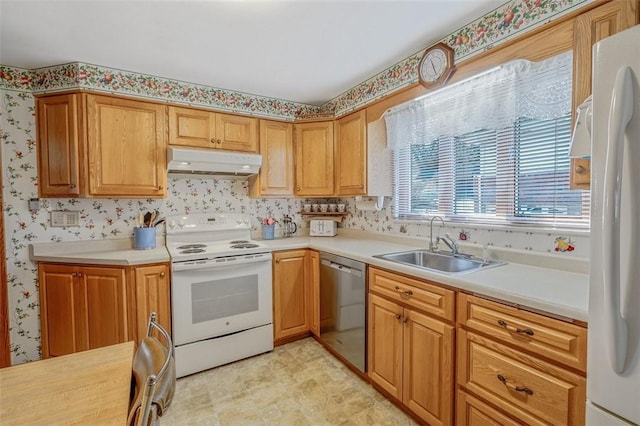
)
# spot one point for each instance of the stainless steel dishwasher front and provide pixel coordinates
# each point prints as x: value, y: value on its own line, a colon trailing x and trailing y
x: 343, y: 295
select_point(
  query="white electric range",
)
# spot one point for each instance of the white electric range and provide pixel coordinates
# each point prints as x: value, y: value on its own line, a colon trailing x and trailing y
x: 221, y: 290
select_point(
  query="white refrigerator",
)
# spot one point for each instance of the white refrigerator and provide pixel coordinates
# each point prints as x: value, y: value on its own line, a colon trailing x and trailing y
x: 613, y: 357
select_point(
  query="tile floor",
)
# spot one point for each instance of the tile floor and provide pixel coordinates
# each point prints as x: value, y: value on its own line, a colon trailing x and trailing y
x: 297, y: 384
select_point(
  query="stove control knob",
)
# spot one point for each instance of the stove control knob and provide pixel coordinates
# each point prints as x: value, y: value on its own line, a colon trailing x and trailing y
x: 245, y: 220
x: 172, y: 224
x: 181, y: 223
x: 239, y: 220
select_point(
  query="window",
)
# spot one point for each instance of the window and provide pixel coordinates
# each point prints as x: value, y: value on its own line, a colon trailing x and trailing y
x: 503, y: 161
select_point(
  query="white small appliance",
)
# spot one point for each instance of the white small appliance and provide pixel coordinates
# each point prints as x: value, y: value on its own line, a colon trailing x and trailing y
x: 323, y: 228
x: 613, y: 355
x: 221, y: 291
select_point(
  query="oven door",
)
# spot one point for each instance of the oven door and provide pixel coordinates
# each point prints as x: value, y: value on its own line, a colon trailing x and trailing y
x: 215, y: 301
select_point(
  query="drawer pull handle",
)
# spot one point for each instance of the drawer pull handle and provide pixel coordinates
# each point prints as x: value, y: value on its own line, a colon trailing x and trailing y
x: 515, y: 388
x: 526, y: 331
x: 398, y: 316
x: 404, y: 292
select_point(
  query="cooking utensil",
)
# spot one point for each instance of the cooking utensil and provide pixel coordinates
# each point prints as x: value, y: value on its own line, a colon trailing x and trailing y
x: 147, y: 219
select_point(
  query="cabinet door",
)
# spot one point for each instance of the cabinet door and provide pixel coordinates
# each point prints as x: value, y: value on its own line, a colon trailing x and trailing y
x: 58, y: 146
x: 276, y: 173
x: 236, y: 133
x: 589, y: 28
x: 351, y: 154
x: 428, y: 370
x: 62, y: 311
x: 471, y: 411
x: 106, y: 307
x: 314, y: 298
x: 290, y: 294
x: 314, y: 159
x: 127, y: 146
x: 385, y: 345
x: 152, y: 295
x: 192, y: 127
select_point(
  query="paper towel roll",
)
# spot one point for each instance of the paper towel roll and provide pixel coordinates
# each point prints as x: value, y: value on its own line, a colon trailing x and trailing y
x: 376, y: 204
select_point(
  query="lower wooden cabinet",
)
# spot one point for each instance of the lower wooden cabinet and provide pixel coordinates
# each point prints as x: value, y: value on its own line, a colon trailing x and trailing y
x: 471, y: 411
x: 152, y: 294
x: 81, y: 308
x: 86, y: 307
x: 291, y: 294
x: 411, y: 357
x: 521, y: 363
x: 314, y: 296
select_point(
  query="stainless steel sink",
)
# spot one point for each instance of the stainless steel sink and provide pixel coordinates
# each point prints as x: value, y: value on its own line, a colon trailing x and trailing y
x: 437, y: 261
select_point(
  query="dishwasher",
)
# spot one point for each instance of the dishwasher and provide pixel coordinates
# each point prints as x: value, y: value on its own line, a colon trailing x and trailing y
x: 343, y: 295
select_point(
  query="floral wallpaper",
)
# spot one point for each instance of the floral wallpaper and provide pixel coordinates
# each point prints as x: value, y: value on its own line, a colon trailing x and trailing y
x: 502, y: 24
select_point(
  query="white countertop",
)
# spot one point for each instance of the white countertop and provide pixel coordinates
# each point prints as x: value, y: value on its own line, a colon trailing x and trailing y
x: 552, y: 291
x: 101, y: 252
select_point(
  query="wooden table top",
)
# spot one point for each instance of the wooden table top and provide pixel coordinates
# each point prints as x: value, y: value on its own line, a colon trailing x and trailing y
x: 90, y: 387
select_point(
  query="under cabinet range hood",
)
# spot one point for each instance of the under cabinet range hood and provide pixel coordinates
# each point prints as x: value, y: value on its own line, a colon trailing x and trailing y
x: 212, y: 162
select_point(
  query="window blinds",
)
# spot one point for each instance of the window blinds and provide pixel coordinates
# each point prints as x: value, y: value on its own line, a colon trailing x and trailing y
x: 491, y: 149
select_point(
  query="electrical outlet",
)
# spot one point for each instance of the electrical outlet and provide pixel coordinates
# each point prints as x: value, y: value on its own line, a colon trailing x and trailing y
x: 61, y: 218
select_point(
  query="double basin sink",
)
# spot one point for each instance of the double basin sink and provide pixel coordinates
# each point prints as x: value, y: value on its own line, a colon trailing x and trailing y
x: 448, y: 263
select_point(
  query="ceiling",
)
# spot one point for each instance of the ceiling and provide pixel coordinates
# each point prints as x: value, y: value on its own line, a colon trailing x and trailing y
x: 307, y: 51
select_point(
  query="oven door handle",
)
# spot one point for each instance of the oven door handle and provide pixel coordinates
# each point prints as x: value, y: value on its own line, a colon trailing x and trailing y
x: 186, y: 266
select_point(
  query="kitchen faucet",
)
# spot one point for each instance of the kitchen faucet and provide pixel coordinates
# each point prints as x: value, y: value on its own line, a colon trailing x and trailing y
x: 433, y: 246
x: 449, y: 242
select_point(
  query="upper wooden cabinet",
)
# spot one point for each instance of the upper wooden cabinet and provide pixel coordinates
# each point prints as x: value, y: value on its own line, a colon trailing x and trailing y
x: 589, y: 28
x: 351, y: 154
x: 276, y: 173
x: 314, y: 159
x: 101, y: 146
x: 126, y: 147
x: 206, y: 129
x: 59, y: 133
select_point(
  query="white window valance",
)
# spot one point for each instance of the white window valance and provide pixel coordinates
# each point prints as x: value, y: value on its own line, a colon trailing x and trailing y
x: 491, y: 100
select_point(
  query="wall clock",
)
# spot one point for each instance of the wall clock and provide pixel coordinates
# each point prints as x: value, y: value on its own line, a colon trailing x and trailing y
x: 436, y: 65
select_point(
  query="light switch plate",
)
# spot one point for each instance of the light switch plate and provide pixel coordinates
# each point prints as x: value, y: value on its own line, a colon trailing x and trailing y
x: 62, y: 218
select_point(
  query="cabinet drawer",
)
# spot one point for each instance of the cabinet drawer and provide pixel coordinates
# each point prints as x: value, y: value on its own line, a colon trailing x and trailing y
x: 528, y: 388
x: 470, y: 411
x: 551, y: 338
x: 418, y: 294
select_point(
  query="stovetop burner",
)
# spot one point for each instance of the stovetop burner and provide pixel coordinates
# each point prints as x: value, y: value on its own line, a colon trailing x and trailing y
x: 244, y: 246
x: 239, y: 242
x: 192, y: 246
x: 193, y: 250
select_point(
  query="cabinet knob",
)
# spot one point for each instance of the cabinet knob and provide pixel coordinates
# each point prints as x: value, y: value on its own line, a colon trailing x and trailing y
x: 160, y: 187
x: 213, y: 140
x: 263, y: 188
x: 72, y: 185
x: 219, y: 142
x: 580, y: 169
x: 277, y: 260
x: 79, y: 274
x: 298, y: 189
x: 162, y: 274
x: 398, y: 316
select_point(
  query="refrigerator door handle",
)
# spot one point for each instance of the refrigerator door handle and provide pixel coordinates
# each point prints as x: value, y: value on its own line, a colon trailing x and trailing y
x: 620, y: 114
